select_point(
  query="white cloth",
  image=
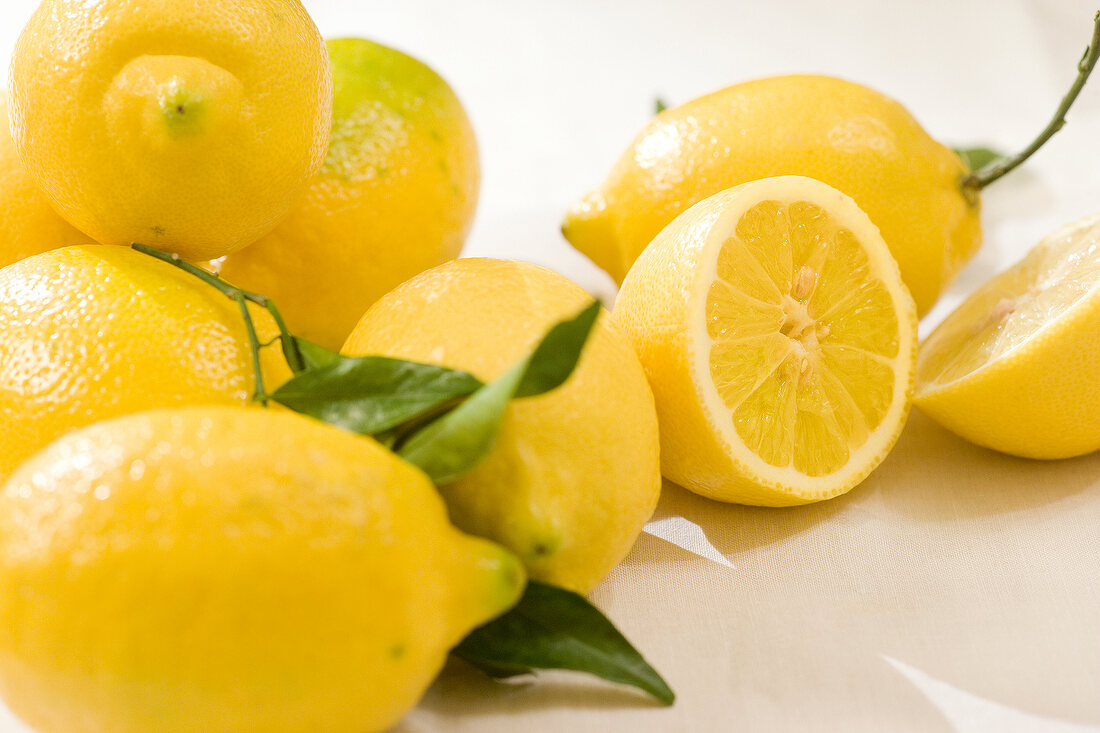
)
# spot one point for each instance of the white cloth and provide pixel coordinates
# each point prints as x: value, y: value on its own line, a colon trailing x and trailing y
x: 957, y: 589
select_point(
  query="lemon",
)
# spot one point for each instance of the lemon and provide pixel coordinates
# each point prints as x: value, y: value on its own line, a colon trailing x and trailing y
x: 92, y: 331
x: 575, y: 473
x: 395, y: 196
x: 851, y: 137
x: 1014, y: 368
x: 191, y: 127
x: 229, y: 570
x: 28, y: 225
x: 779, y: 341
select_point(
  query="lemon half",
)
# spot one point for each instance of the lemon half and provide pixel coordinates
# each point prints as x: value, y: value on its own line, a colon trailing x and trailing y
x: 779, y: 341
x: 1015, y: 367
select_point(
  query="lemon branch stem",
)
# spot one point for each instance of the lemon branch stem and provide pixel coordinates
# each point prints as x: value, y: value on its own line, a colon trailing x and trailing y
x: 289, y: 345
x: 979, y: 179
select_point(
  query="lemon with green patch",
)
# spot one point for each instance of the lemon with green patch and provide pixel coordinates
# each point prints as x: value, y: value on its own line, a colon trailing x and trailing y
x: 395, y: 196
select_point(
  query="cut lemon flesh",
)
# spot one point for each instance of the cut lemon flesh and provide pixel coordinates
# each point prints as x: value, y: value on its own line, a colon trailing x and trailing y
x: 1016, y: 366
x: 779, y: 341
x: 1012, y: 308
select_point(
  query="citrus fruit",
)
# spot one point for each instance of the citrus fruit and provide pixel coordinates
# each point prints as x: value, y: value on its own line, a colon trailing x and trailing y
x: 395, y: 196
x: 779, y: 341
x: 1014, y: 368
x: 851, y: 137
x: 574, y: 474
x: 28, y: 224
x: 191, y: 127
x: 93, y: 331
x: 233, y: 570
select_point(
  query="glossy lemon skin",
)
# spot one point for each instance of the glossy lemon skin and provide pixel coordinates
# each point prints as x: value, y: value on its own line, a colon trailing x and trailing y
x: 94, y: 331
x: 230, y: 570
x: 575, y: 473
x: 28, y: 224
x: 189, y: 126
x: 843, y: 134
x: 396, y: 196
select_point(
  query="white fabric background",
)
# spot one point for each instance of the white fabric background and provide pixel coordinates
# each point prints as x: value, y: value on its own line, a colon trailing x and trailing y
x: 956, y: 589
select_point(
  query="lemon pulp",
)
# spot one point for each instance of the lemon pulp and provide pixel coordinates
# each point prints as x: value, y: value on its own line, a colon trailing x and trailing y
x: 1014, y: 307
x: 802, y: 337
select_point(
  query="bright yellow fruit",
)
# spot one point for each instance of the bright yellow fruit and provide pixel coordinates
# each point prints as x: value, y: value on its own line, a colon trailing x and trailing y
x: 1015, y: 367
x: 779, y: 341
x: 191, y: 126
x: 575, y: 472
x: 230, y: 570
x: 28, y: 224
x: 94, y: 331
x: 395, y: 197
x: 855, y: 139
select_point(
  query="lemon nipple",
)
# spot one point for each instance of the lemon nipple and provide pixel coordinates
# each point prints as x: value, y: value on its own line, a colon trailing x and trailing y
x: 166, y: 99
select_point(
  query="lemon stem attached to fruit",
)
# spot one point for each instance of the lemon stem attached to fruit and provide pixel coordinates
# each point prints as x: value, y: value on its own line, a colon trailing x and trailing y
x: 289, y: 344
x: 974, y: 182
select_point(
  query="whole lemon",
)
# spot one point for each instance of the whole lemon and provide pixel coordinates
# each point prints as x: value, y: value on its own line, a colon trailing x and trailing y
x: 395, y: 196
x: 192, y: 127
x: 844, y: 134
x: 93, y: 331
x: 575, y: 473
x: 28, y: 224
x: 230, y: 570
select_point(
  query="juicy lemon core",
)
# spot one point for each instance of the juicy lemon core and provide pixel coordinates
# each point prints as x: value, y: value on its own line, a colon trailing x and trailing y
x: 792, y: 335
x: 1014, y: 367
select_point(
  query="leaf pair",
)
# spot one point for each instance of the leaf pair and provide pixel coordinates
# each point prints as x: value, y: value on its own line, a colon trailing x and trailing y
x: 445, y: 422
x: 387, y: 398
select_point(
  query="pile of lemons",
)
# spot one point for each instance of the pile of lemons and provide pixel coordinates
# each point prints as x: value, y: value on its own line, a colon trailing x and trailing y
x: 176, y: 557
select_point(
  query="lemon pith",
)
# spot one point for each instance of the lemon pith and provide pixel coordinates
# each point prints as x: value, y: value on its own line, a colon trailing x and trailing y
x: 1014, y: 367
x: 781, y: 351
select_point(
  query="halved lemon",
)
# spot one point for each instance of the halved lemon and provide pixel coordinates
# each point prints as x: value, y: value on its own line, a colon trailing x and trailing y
x: 779, y: 340
x: 1016, y: 367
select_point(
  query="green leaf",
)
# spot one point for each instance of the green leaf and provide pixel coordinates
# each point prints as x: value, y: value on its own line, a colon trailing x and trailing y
x: 977, y: 158
x: 553, y: 628
x: 450, y: 446
x: 371, y: 394
x: 559, y: 351
x: 315, y: 355
x: 659, y: 105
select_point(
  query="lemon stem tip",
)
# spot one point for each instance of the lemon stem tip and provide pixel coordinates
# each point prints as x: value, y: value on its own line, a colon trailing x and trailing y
x: 974, y: 182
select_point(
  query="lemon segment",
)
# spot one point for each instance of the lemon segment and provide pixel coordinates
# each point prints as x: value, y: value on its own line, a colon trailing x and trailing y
x: 1014, y: 367
x: 779, y: 341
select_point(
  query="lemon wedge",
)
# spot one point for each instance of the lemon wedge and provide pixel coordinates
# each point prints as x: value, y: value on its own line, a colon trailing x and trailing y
x: 779, y: 340
x: 1016, y: 367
